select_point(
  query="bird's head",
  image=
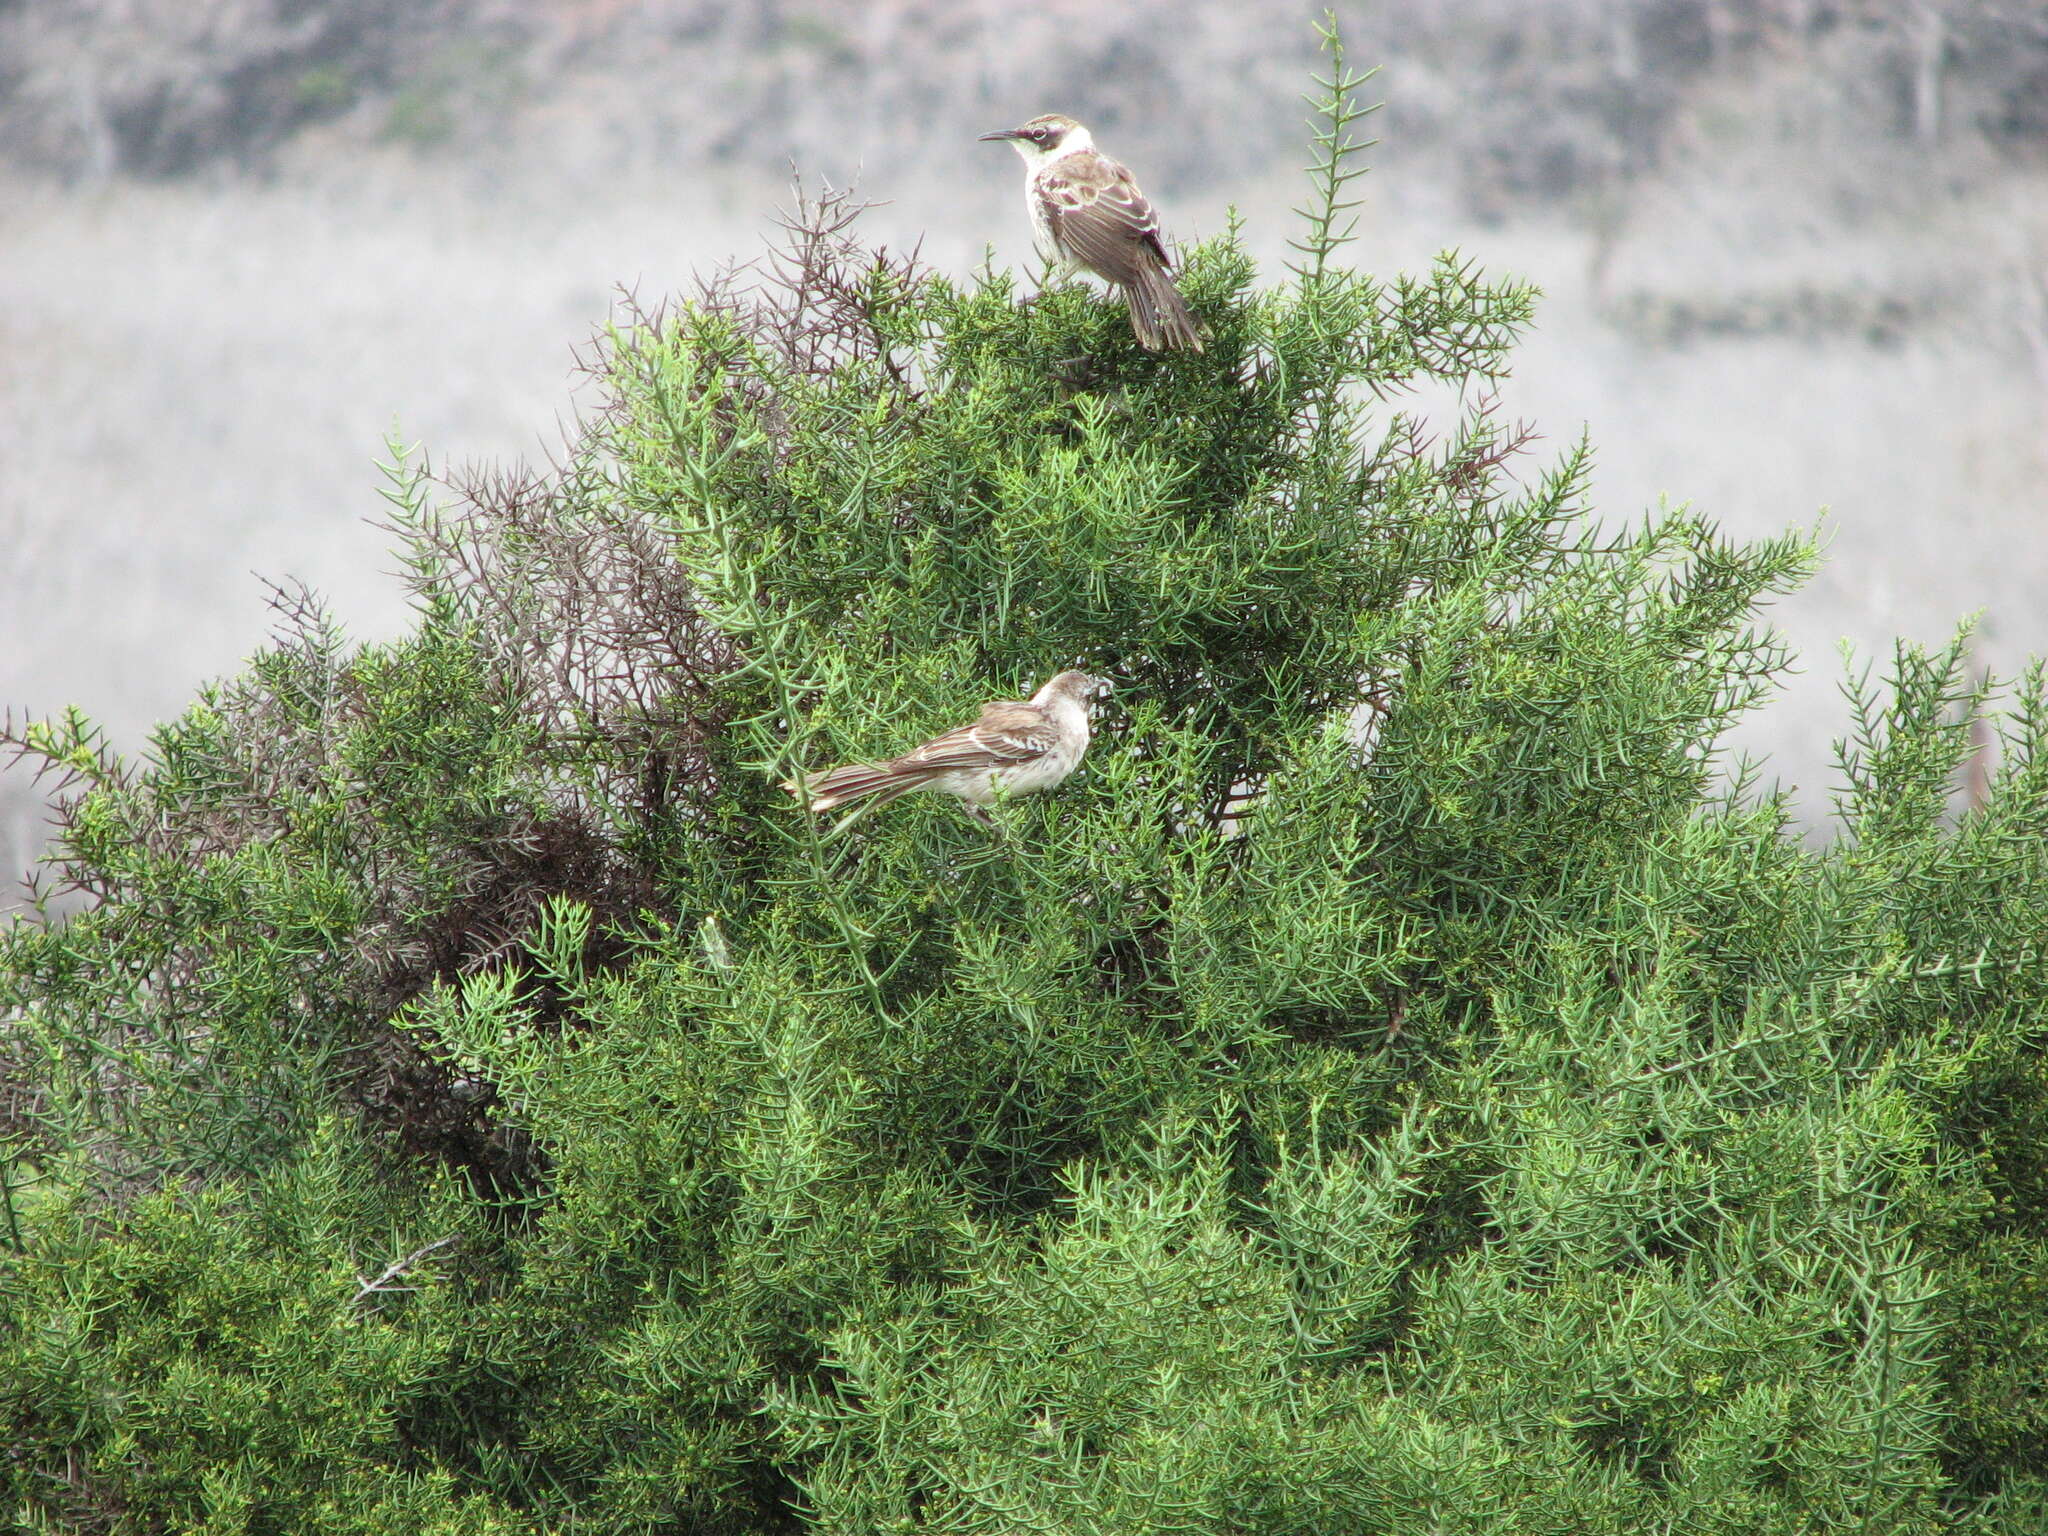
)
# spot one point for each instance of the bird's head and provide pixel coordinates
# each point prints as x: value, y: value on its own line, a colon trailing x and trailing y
x: 1080, y: 687
x: 1045, y: 137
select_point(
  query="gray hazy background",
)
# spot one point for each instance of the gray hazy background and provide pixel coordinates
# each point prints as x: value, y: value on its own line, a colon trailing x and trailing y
x: 1795, y: 256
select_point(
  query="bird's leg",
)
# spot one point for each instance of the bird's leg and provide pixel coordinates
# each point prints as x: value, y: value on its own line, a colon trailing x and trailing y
x: 980, y: 814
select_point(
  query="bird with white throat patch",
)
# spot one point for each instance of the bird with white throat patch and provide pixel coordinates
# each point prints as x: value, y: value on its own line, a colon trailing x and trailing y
x: 1016, y: 747
x: 1088, y: 215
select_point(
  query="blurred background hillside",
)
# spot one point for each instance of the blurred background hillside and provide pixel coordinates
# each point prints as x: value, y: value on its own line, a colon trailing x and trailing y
x: 1795, y: 253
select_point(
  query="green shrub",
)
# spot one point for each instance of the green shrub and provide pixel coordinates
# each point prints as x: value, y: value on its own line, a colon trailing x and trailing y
x: 1391, y: 1089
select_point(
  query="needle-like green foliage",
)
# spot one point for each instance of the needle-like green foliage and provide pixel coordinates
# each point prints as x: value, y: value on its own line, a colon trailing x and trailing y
x: 1393, y: 1088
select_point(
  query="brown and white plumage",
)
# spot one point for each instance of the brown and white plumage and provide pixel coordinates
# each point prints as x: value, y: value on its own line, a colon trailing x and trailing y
x: 1088, y: 215
x: 1015, y: 747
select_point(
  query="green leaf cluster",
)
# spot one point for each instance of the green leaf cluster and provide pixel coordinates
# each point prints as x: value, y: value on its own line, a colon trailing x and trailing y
x: 1396, y: 1086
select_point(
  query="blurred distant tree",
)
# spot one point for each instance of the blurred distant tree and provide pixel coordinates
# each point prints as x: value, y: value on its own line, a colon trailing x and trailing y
x: 1526, y: 100
x: 162, y: 87
x: 1390, y: 1089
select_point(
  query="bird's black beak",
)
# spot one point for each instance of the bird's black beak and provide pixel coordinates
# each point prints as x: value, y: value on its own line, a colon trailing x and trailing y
x: 1000, y: 133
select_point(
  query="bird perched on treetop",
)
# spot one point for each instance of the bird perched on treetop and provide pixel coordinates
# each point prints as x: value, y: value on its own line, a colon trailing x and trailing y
x: 1015, y: 748
x: 1088, y: 215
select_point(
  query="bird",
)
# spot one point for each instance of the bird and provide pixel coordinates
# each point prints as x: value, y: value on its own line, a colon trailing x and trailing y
x: 1015, y: 747
x: 1088, y: 215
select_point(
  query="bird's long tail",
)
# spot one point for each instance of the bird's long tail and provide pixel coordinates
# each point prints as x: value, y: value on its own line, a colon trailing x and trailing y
x: 833, y: 787
x: 1159, y: 315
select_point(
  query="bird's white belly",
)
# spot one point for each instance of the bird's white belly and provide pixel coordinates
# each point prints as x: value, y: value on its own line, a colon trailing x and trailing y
x: 1041, y: 234
x: 981, y: 786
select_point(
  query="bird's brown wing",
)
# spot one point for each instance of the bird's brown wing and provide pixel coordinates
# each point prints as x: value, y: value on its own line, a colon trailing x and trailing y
x: 1007, y: 733
x: 1099, y: 216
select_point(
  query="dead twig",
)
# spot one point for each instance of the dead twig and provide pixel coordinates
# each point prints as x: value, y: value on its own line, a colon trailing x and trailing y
x: 397, y: 1269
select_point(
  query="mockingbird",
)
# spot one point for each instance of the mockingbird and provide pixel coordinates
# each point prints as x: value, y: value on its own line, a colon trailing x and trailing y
x: 1015, y: 748
x: 1089, y: 216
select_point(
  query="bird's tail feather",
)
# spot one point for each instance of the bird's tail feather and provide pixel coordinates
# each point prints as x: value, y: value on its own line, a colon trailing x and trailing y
x: 833, y: 787
x: 1159, y: 315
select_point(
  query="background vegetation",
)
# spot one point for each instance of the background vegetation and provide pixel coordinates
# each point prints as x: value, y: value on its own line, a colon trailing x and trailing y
x: 93, y: 88
x: 1391, y: 1089
x: 242, y: 238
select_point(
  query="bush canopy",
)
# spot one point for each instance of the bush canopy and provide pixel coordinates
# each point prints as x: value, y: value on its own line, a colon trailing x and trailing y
x: 1399, y: 1085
